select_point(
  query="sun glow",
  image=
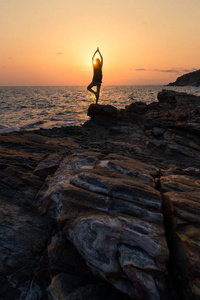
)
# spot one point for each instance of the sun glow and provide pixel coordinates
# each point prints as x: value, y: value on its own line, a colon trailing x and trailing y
x: 39, y: 47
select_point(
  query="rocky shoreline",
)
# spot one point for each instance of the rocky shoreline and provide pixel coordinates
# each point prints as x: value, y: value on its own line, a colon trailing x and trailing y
x: 107, y: 210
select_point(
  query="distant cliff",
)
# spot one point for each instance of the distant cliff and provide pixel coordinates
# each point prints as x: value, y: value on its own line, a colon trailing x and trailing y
x: 192, y: 79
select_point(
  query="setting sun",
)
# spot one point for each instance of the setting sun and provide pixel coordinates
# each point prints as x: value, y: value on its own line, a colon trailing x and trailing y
x: 41, y: 46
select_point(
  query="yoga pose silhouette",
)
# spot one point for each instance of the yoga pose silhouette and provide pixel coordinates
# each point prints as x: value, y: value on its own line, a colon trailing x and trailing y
x: 97, y: 77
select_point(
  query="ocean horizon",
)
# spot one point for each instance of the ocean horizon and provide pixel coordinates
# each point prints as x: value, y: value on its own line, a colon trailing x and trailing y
x: 35, y: 107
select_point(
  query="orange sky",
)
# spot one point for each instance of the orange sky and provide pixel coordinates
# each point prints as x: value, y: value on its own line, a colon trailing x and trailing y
x: 51, y: 42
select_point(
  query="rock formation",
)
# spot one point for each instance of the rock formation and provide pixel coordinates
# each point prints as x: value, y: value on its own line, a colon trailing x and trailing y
x: 192, y: 79
x: 107, y: 210
x: 107, y: 205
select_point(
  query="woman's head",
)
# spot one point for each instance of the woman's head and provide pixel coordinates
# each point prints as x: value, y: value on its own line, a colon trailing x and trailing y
x: 97, y: 62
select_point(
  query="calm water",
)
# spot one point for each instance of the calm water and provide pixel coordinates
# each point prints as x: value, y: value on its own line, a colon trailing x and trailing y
x: 46, y: 107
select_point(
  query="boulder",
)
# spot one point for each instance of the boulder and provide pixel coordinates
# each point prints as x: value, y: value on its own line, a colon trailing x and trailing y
x: 48, y: 165
x: 110, y: 210
x: 178, y: 98
x: 137, y: 108
x: 106, y: 110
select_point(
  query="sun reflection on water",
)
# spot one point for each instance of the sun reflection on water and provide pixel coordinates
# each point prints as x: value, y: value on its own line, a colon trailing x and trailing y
x: 47, y: 107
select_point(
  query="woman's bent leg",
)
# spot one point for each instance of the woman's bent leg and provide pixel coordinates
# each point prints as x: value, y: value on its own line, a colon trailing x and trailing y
x: 89, y: 88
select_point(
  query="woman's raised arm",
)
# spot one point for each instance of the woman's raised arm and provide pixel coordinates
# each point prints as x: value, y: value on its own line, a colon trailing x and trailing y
x: 100, y: 56
x: 94, y: 55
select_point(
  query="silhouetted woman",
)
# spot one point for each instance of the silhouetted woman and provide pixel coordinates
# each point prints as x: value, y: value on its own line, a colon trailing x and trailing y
x: 97, y: 77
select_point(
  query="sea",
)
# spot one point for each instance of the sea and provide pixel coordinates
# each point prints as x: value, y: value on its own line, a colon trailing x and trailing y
x: 31, y: 108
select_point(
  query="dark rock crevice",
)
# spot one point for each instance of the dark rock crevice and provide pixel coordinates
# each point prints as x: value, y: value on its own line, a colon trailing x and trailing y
x: 179, y: 275
x: 174, y: 288
x: 181, y: 238
x: 176, y: 277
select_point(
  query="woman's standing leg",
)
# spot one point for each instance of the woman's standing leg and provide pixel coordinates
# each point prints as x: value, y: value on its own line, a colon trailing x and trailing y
x: 98, y: 92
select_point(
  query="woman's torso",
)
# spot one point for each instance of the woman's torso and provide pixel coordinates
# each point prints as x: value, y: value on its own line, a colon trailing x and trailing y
x: 97, y: 74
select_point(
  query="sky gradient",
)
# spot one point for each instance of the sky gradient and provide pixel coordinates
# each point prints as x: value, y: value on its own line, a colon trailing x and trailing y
x: 51, y: 42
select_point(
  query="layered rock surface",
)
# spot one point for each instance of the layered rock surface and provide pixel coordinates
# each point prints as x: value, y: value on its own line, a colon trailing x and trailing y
x: 82, y: 208
x: 109, y: 208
